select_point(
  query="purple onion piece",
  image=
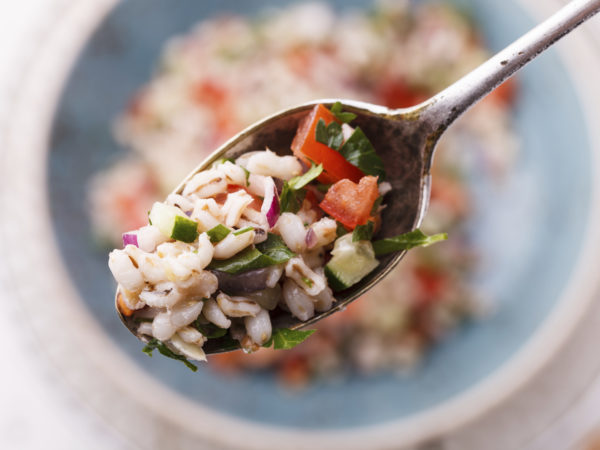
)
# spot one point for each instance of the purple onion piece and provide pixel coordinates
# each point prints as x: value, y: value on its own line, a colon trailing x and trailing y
x: 273, y: 212
x: 270, y: 207
x: 310, y: 239
x: 130, y: 239
x: 243, y: 283
x: 188, y: 213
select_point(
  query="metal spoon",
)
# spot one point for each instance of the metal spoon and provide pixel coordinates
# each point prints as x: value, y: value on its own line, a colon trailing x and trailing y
x: 405, y: 139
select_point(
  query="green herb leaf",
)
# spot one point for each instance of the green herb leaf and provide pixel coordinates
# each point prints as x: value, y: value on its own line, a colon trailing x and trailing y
x: 331, y: 135
x: 292, y: 194
x: 302, y: 180
x: 291, y: 200
x: 222, y: 161
x: 166, y: 351
x: 345, y: 117
x: 242, y: 231
x: 406, y: 241
x: 363, y: 232
x: 359, y: 151
x: 184, y: 229
x: 285, y: 339
x: 275, y: 248
x: 218, y: 233
x: 340, y: 229
x: 209, y: 330
x: 268, y: 253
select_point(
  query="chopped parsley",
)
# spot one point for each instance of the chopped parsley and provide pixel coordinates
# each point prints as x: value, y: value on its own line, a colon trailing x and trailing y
x: 363, y: 232
x: 209, y: 330
x: 359, y: 151
x: 292, y: 193
x: 406, y: 241
x: 242, y: 231
x: 166, y: 351
x: 218, y: 233
x: 271, y: 252
x: 285, y: 339
x: 331, y: 135
x: 344, y: 117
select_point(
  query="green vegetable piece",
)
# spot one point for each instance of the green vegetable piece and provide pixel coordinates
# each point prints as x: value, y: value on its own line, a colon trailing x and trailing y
x: 302, y: 180
x: 166, y: 351
x: 406, y: 241
x: 350, y: 262
x: 340, y: 229
x: 268, y: 253
x: 359, y: 151
x: 363, y: 232
x: 218, y: 233
x: 242, y: 231
x: 275, y: 248
x: 292, y: 194
x: 209, y: 330
x: 334, y: 281
x: 290, y: 200
x: 345, y: 117
x: 331, y: 135
x: 173, y: 223
x: 184, y: 229
x: 285, y: 339
x: 222, y: 161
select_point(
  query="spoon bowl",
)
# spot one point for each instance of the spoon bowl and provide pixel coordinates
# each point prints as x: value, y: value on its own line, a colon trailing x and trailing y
x: 404, y: 138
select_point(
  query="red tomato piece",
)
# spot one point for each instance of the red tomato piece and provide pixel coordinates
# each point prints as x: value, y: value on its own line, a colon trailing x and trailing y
x: 395, y: 93
x: 505, y: 94
x: 307, y: 149
x: 351, y: 203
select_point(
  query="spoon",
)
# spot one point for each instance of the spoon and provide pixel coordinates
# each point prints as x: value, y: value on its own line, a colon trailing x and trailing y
x: 404, y: 138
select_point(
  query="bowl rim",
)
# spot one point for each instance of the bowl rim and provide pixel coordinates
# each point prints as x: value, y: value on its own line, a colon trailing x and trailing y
x: 43, y: 75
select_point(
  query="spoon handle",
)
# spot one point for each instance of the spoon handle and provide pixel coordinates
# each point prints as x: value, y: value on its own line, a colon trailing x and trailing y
x: 441, y: 110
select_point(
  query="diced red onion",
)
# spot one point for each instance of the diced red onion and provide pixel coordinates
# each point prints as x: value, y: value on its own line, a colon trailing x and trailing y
x: 310, y: 239
x: 130, y: 239
x: 270, y: 206
x: 188, y: 213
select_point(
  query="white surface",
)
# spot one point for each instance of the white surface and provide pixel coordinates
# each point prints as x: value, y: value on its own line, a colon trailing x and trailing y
x: 39, y: 410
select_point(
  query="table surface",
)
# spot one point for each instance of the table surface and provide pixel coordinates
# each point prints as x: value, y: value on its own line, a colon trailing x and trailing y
x: 39, y: 410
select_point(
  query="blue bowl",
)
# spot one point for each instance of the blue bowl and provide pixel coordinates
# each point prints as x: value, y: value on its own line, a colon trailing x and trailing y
x: 520, y: 228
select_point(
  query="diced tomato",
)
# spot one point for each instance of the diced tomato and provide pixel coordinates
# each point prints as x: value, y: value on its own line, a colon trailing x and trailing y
x: 217, y: 97
x: 294, y: 371
x: 396, y: 93
x: 307, y: 149
x: 351, y: 203
x: 504, y: 94
x: 432, y: 283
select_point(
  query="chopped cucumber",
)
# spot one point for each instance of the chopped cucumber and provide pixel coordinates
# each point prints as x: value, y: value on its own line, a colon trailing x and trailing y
x: 218, y: 233
x: 350, y: 262
x: 173, y: 223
